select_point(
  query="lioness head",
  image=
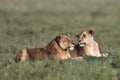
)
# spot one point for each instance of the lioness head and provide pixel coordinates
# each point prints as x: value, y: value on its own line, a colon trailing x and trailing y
x: 65, y: 41
x: 85, y: 37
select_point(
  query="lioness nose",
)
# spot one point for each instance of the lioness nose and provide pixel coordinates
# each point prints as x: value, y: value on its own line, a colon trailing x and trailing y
x: 79, y: 40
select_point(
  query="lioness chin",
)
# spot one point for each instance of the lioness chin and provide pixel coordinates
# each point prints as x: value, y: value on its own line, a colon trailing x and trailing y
x: 58, y: 49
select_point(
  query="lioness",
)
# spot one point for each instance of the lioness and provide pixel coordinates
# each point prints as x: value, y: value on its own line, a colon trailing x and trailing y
x: 87, y: 45
x: 58, y: 49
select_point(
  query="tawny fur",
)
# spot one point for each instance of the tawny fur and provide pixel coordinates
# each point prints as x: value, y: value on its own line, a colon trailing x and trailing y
x: 87, y: 46
x: 76, y: 52
x: 57, y: 49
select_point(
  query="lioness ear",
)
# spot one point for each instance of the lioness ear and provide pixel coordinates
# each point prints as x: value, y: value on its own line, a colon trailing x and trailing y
x: 77, y: 35
x: 59, y: 35
x: 91, y: 31
x: 68, y: 35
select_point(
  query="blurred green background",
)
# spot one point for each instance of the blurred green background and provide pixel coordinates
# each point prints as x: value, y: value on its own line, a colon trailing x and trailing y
x: 34, y: 23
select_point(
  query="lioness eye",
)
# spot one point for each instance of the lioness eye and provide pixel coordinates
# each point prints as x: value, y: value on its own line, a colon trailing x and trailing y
x: 84, y: 35
x: 67, y: 39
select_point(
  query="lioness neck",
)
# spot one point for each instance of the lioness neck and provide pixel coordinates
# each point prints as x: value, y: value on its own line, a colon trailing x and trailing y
x: 55, y: 50
x: 88, y: 49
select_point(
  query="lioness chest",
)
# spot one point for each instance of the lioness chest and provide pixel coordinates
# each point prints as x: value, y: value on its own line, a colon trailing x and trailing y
x: 90, y: 49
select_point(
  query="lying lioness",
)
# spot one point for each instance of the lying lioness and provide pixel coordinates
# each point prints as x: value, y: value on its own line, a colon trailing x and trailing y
x: 87, y: 45
x: 58, y: 49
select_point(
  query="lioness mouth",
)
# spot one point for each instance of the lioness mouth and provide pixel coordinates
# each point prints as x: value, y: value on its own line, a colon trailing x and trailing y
x: 82, y: 44
x: 71, y: 47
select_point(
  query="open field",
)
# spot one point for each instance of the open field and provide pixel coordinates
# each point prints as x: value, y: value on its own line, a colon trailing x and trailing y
x: 33, y: 23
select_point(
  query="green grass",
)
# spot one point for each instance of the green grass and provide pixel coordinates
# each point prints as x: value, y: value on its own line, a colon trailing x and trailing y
x: 33, y: 23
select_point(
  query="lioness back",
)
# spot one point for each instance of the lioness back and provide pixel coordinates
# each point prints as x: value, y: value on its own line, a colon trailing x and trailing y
x: 31, y: 54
